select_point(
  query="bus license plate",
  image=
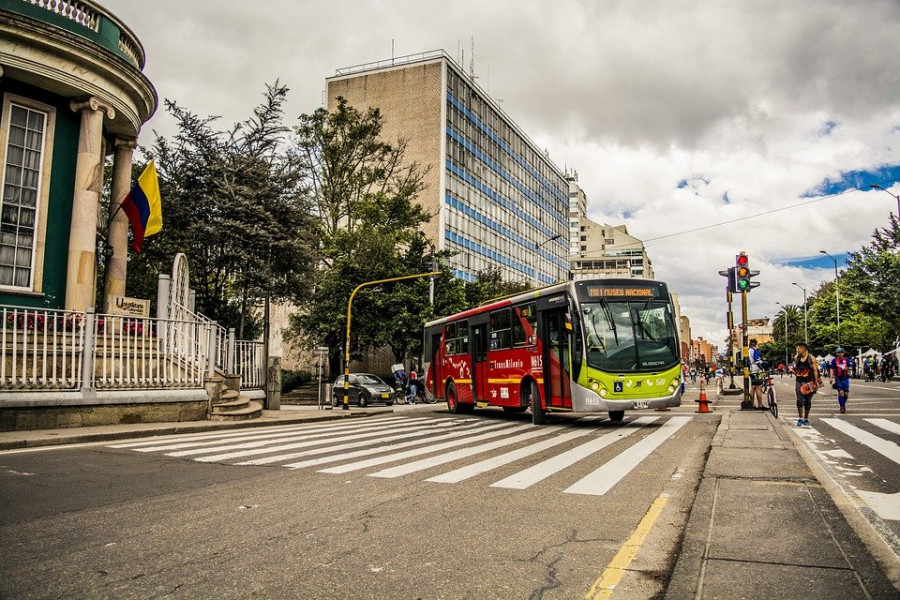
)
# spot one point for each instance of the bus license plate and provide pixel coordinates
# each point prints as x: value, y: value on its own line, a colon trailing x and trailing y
x: 641, y: 405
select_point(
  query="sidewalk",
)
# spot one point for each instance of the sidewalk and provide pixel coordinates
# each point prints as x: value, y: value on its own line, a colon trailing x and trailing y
x: 763, y: 526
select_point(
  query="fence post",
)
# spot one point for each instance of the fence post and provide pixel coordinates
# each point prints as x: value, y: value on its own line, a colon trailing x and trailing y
x: 211, y: 348
x: 232, y: 347
x: 163, y: 288
x: 87, y: 353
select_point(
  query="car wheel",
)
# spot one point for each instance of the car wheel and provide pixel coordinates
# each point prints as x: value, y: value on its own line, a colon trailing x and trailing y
x: 363, y: 400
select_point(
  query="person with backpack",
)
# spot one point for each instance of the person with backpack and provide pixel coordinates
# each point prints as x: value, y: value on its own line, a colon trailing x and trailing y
x: 806, y: 380
x: 839, y: 376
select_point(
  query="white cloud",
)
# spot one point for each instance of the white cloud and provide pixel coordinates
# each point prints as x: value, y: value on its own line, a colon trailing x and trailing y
x: 761, y: 101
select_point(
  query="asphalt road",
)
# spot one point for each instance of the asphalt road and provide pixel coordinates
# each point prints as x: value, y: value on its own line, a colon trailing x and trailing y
x: 133, y: 521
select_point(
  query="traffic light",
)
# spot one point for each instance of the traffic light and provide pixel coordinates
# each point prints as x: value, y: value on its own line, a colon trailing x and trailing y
x: 743, y: 274
x: 732, y: 280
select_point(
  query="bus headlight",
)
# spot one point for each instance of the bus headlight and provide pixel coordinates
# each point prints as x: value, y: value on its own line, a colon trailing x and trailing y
x: 674, y: 385
x: 603, y: 393
x: 595, y: 386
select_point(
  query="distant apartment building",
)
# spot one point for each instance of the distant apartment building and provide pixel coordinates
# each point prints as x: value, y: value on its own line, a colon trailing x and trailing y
x: 607, y: 251
x: 497, y: 199
x: 577, y: 212
x: 760, y: 330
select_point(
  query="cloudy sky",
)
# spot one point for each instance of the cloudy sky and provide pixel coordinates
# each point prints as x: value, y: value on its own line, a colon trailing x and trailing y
x: 707, y: 127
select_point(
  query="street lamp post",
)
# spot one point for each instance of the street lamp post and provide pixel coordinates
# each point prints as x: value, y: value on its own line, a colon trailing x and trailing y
x: 837, y: 294
x: 784, y: 317
x: 875, y: 186
x: 537, y: 258
x: 805, y: 326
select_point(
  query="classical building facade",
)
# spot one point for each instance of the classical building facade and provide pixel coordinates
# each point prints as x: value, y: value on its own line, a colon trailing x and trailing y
x: 72, y: 92
x: 607, y: 251
x: 497, y: 199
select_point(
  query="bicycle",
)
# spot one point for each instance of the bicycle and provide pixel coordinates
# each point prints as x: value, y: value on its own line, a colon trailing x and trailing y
x: 768, y: 389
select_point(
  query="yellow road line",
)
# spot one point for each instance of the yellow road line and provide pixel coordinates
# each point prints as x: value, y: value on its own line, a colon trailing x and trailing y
x: 604, y: 587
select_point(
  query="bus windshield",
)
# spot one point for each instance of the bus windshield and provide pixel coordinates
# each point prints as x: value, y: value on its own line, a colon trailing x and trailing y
x: 630, y: 337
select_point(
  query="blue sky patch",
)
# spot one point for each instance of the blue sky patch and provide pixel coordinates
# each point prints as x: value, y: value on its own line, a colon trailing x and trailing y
x: 827, y: 128
x: 818, y: 261
x: 859, y: 180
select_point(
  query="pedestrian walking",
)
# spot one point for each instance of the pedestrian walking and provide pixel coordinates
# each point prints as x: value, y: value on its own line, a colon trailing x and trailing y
x: 806, y: 381
x: 839, y: 376
x: 413, y: 388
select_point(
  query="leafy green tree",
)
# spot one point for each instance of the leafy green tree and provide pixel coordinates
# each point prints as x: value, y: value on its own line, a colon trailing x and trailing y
x: 489, y: 285
x: 234, y: 203
x: 362, y: 192
x: 873, y: 276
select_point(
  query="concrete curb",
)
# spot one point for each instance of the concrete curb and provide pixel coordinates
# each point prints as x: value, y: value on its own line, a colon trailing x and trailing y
x: 17, y: 440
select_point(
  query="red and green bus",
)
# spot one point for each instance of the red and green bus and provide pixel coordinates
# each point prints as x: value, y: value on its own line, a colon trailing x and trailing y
x: 601, y: 345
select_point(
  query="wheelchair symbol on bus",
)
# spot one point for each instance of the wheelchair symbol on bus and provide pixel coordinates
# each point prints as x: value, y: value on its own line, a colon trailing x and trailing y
x: 617, y: 386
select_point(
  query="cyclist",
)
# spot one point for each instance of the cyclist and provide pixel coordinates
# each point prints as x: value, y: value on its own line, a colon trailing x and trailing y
x: 839, y: 376
x: 756, y: 376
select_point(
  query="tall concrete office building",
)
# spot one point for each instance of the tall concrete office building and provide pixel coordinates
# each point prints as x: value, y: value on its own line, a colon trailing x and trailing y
x: 496, y: 198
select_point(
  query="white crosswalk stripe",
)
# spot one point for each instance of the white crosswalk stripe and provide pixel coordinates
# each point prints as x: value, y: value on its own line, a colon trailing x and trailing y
x: 886, y: 425
x: 416, y: 444
x: 603, y: 479
x: 885, y: 448
x: 851, y: 473
x: 541, y: 471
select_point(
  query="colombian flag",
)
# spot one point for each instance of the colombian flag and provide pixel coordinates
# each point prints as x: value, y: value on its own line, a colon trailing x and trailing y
x: 144, y: 207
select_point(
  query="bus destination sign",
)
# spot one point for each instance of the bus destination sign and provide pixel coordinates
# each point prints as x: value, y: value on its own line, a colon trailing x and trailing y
x: 597, y: 291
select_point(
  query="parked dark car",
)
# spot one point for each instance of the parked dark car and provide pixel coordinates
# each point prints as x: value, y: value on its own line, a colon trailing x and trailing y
x: 364, y: 389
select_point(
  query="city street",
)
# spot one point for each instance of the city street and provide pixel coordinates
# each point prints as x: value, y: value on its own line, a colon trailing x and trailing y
x: 378, y: 508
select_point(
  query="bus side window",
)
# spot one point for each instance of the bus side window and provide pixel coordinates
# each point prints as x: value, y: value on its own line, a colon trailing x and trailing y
x: 524, y: 326
x: 463, y: 340
x: 500, y: 330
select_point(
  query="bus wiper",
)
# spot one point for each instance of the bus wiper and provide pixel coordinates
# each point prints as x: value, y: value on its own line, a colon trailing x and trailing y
x: 611, y: 323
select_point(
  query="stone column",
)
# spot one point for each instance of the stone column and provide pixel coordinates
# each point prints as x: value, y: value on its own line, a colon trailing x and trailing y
x: 82, y: 262
x: 117, y: 238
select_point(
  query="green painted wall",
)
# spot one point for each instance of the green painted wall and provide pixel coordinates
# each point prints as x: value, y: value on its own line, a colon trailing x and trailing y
x: 62, y: 183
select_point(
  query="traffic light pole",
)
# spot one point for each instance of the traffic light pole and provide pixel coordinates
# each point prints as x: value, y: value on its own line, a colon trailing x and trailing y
x: 745, y: 347
x: 730, y: 340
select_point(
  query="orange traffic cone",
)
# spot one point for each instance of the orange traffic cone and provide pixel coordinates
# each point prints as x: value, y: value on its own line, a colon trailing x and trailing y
x: 704, y: 403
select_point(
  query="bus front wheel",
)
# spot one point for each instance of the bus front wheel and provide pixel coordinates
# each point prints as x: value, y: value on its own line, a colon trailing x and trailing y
x: 538, y: 414
x: 616, y: 415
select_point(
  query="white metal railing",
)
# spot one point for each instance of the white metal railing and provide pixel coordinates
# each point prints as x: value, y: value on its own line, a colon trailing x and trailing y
x: 42, y: 349
x: 46, y: 349
x: 248, y: 363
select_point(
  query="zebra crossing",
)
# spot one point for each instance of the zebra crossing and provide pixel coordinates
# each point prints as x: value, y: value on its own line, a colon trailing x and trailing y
x: 403, y: 446
x: 848, y: 470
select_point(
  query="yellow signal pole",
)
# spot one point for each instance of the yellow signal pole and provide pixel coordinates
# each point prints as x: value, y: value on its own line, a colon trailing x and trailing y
x: 349, y: 309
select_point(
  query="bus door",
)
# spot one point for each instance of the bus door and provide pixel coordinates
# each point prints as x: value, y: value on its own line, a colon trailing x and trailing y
x: 481, y: 369
x: 556, y: 340
x: 435, y: 371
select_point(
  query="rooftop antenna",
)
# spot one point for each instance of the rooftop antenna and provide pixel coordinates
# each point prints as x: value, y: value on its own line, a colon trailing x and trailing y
x: 472, y: 60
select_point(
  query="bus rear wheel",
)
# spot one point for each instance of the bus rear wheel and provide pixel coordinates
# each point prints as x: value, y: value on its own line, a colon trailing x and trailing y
x: 616, y: 416
x: 538, y: 414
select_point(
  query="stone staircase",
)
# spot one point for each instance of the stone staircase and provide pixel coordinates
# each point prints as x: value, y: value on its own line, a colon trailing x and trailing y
x: 227, y: 403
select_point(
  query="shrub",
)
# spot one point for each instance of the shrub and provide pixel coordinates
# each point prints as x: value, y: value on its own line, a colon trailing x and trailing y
x: 290, y: 380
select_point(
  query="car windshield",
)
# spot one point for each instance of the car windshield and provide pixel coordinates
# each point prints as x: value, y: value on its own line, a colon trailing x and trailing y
x: 369, y: 380
x: 625, y: 337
